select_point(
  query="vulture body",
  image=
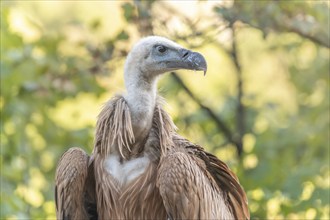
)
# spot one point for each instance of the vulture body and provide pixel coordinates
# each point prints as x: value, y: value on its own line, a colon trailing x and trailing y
x: 140, y: 167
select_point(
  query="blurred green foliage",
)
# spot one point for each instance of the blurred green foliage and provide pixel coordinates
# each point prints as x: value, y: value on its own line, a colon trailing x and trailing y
x: 58, y: 68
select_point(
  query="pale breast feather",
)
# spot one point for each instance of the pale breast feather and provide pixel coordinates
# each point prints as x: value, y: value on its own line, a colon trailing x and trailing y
x: 126, y: 171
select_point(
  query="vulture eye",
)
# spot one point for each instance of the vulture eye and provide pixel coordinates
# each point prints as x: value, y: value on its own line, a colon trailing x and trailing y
x: 161, y: 49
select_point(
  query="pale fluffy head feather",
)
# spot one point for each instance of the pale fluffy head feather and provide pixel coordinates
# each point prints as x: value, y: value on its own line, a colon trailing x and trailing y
x: 142, y: 64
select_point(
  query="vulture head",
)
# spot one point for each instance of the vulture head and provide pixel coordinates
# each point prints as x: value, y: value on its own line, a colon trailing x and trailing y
x: 155, y: 55
x: 148, y: 59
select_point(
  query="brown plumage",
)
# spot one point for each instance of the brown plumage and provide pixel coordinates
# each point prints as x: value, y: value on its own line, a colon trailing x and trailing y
x: 145, y: 172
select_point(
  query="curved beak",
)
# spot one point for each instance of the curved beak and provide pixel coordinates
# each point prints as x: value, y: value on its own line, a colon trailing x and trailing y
x: 190, y: 60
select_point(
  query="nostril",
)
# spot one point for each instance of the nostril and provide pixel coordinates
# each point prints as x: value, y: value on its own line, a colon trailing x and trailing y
x: 184, y: 53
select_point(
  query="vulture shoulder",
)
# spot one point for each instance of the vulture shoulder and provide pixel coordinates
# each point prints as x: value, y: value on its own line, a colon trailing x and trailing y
x: 75, y: 186
x: 195, y: 184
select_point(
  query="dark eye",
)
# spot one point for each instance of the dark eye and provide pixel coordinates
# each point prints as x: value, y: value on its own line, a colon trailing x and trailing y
x: 161, y: 49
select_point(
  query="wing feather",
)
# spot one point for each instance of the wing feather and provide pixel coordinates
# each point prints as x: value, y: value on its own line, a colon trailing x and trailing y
x: 186, y: 191
x: 207, y: 182
x: 228, y: 182
x: 70, y: 185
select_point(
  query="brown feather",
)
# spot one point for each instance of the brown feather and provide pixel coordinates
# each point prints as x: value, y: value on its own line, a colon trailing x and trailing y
x: 114, y: 128
x: 187, y: 192
x: 225, y: 179
x: 70, y: 177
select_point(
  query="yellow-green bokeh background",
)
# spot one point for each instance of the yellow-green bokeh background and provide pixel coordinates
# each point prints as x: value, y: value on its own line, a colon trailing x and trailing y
x: 60, y: 60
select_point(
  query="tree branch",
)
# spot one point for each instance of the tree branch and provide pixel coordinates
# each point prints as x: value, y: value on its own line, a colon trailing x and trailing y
x: 240, y: 111
x: 218, y: 121
x: 316, y: 39
x: 270, y: 15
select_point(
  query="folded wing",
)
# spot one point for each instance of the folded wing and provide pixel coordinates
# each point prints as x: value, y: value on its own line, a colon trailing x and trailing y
x: 195, y: 184
x: 74, y: 186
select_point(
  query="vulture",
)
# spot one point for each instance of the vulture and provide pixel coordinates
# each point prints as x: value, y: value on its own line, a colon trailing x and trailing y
x: 140, y: 167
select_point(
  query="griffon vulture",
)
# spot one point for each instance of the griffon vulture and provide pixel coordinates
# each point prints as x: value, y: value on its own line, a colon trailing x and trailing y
x: 140, y: 167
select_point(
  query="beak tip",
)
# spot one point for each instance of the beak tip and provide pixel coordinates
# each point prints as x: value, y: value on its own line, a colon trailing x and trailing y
x: 199, y: 62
